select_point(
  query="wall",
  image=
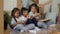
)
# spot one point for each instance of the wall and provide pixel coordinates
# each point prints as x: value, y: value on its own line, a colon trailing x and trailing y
x: 58, y: 1
x: 9, y: 4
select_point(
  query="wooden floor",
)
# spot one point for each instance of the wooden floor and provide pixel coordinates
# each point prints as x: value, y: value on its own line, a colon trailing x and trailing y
x: 7, y: 31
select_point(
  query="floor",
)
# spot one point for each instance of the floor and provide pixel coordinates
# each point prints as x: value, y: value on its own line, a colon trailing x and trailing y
x: 39, y: 32
x: 7, y: 31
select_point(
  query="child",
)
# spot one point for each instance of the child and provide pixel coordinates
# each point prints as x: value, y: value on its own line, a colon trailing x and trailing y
x: 34, y: 13
x: 25, y: 18
x: 16, y: 22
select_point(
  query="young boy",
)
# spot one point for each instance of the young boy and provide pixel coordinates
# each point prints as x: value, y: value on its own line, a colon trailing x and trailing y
x: 25, y: 18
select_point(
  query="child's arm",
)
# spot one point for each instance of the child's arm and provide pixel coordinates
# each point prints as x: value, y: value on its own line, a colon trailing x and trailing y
x: 13, y: 25
x: 23, y: 22
x: 37, y: 14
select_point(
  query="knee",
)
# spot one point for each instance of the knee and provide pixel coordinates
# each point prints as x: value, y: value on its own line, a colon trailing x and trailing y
x: 40, y: 23
x: 19, y: 25
x: 32, y: 25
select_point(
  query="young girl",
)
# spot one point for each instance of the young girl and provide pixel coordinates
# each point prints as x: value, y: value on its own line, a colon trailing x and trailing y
x: 16, y: 22
x: 34, y: 13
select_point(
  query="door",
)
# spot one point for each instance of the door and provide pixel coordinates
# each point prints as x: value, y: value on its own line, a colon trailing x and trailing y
x: 1, y: 17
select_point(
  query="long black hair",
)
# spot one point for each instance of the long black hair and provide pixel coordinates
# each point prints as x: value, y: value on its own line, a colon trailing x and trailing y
x: 13, y: 13
x: 37, y: 8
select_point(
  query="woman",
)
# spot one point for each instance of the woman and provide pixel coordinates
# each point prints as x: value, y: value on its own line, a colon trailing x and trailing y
x: 26, y: 3
x: 45, y: 4
x: 53, y: 12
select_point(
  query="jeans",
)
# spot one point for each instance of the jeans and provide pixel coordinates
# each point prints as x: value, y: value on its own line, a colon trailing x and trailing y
x: 42, y: 25
x: 24, y: 28
x: 33, y: 21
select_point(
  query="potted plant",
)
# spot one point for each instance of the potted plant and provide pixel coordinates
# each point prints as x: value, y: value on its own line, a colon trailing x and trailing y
x: 7, y: 19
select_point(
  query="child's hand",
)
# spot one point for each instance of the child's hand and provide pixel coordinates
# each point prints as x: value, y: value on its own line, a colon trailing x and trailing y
x: 27, y: 17
x: 23, y: 22
x: 18, y: 23
x: 31, y: 17
x: 37, y: 14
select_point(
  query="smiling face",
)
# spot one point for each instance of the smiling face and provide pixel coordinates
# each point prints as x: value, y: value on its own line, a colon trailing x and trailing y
x: 17, y: 14
x: 25, y: 13
x: 33, y: 9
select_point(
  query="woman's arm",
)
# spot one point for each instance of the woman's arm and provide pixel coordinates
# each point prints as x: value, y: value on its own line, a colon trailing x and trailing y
x: 45, y: 3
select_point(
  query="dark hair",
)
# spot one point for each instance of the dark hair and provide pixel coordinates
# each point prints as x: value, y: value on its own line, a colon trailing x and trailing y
x: 23, y: 9
x: 37, y: 8
x: 13, y: 12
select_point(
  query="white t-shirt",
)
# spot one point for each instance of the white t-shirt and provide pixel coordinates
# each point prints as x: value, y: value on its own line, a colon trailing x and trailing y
x: 32, y: 14
x: 23, y: 18
x: 20, y: 19
x: 14, y: 22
